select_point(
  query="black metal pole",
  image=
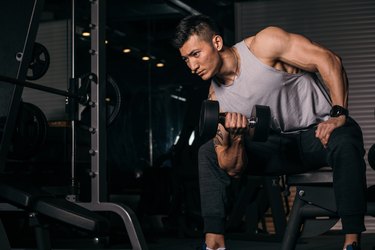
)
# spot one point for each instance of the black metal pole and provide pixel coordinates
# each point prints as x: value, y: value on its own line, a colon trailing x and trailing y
x: 73, y: 86
x: 39, y: 87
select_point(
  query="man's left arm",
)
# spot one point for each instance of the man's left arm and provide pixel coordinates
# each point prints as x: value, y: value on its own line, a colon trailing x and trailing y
x: 298, y: 51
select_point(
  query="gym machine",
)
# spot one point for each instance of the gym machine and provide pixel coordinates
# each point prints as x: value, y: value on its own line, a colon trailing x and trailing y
x: 70, y: 210
x: 98, y: 132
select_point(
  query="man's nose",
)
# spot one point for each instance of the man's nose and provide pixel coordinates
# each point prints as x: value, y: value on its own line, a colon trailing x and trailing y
x: 194, y: 67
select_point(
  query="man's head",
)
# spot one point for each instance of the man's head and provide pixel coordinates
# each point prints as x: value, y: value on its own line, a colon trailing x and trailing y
x: 200, y: 25
x: 199, y: 43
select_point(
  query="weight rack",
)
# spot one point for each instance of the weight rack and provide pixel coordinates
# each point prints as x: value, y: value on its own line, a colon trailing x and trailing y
x: 98, y: 171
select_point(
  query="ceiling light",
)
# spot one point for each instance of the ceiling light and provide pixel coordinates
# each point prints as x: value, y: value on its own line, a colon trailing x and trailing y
x: 126, y: 50
x: 180, y: 98
x: 86, y: 33
x: 145, y: 58
x: 160, y: 65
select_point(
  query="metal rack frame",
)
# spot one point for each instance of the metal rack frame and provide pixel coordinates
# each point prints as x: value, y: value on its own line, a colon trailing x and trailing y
x: 98, y: 171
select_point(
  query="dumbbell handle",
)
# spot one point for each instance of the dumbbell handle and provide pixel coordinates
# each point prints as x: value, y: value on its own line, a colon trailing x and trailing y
x: 252, y: 121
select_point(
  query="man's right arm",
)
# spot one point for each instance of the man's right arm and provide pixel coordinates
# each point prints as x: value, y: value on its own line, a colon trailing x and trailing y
x: 229, y: 143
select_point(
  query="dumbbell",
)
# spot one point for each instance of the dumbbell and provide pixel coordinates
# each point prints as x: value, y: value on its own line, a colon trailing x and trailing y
x: 210, y: 117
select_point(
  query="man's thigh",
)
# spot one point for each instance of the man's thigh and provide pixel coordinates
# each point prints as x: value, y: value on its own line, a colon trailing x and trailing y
x: 286, y: 154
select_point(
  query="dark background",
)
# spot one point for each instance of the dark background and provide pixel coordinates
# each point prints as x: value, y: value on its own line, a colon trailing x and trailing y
x: 156, y: 103
x: 147, y: 28
x: 166, y: 184
x: 148, y: 149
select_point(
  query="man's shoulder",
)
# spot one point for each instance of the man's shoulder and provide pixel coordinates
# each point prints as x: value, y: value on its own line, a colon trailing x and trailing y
x: 269, y: 33
x: 266, y: 37
x: 262, y: 34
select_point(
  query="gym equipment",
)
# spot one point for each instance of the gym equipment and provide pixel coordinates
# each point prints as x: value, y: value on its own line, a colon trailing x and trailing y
x: 14, y: 65
x: 98, y: 173
x: 39, y: 63
x: 210, y: 117
x: 113, y: 99
x: 41, y: 205
x: 30, y: 132
x: 19, y: 20
x: 314, y: 210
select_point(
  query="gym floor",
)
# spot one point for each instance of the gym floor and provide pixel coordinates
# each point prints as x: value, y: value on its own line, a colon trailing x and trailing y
x: 323, y: 242
x: 66, y: 238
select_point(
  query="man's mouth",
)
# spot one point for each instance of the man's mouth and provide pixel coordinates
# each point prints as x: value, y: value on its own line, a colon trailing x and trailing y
x: 200, y: 73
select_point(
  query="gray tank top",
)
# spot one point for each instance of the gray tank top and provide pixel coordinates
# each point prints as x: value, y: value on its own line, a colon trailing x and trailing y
x: 297, y: 101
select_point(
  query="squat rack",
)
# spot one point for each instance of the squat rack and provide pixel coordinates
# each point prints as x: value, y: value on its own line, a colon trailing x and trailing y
x: 98, y: 173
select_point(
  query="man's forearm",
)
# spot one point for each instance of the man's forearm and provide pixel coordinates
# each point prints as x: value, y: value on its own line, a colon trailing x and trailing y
x: 232, y: 157
x: 334, y: 76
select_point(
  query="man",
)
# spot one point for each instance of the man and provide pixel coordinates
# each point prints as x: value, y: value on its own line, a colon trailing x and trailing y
x: 310, y: 126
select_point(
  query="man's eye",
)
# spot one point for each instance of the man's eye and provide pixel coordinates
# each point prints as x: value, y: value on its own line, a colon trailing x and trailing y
x: 196, y: 54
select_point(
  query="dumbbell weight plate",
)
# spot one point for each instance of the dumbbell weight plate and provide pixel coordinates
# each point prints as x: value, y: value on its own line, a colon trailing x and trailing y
x: 259, y: 131
x: 209, y: 119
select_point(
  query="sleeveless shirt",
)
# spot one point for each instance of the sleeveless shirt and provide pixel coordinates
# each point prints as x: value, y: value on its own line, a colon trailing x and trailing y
x: 297, y: 101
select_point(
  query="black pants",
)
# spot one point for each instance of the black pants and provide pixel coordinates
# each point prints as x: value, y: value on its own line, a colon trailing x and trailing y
x: 288, y: 154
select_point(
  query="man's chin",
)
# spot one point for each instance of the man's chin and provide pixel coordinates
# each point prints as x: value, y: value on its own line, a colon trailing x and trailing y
x: 205, y: 77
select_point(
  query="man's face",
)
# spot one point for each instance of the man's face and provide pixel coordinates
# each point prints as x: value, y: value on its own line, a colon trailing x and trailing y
x: 201, y: 57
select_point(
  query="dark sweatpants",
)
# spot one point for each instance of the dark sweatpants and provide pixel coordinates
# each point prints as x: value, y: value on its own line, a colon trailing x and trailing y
x: 285, y: 154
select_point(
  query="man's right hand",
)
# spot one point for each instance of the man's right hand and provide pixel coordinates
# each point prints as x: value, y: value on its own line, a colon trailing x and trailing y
x: 236, y: 124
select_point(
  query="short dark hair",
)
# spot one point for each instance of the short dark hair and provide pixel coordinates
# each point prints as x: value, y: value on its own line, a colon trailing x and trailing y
x: 200, y: 25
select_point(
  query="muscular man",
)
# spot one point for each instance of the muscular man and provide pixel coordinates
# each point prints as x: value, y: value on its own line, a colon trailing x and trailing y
x: 310, y: 126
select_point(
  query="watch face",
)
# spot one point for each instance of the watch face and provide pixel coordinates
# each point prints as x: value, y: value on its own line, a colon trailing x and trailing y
x: 338, y: 110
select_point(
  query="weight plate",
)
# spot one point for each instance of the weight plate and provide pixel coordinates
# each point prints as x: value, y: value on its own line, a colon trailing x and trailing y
x: 30, y: 132
x: 113, y: 100
x: 260, y: 131
x: 209, y: 119
x: 39, y: 62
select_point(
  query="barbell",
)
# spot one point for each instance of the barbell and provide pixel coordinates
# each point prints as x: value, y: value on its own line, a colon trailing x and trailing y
x: 210, y: 117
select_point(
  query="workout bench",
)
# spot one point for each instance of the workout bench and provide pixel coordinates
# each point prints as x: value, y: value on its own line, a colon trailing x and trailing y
x: 40, y: 204
x: 314, y: 208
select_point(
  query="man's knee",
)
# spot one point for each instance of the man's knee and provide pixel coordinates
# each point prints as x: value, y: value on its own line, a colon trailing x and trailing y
x: 347, y: 137
x: 206, y: 150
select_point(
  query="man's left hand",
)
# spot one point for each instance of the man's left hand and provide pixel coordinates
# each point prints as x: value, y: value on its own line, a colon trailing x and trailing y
x: 324, y: 129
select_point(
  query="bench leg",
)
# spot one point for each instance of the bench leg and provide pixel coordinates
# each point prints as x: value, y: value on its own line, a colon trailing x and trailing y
x: 4, y: 242
x: 293, y: 227
x: 41, y: 233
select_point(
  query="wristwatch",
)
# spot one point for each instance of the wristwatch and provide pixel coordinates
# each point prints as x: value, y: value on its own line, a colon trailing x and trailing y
x: 337, y: 111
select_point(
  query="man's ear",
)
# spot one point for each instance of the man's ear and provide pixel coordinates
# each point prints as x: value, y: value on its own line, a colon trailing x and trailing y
x: 217, y: 41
